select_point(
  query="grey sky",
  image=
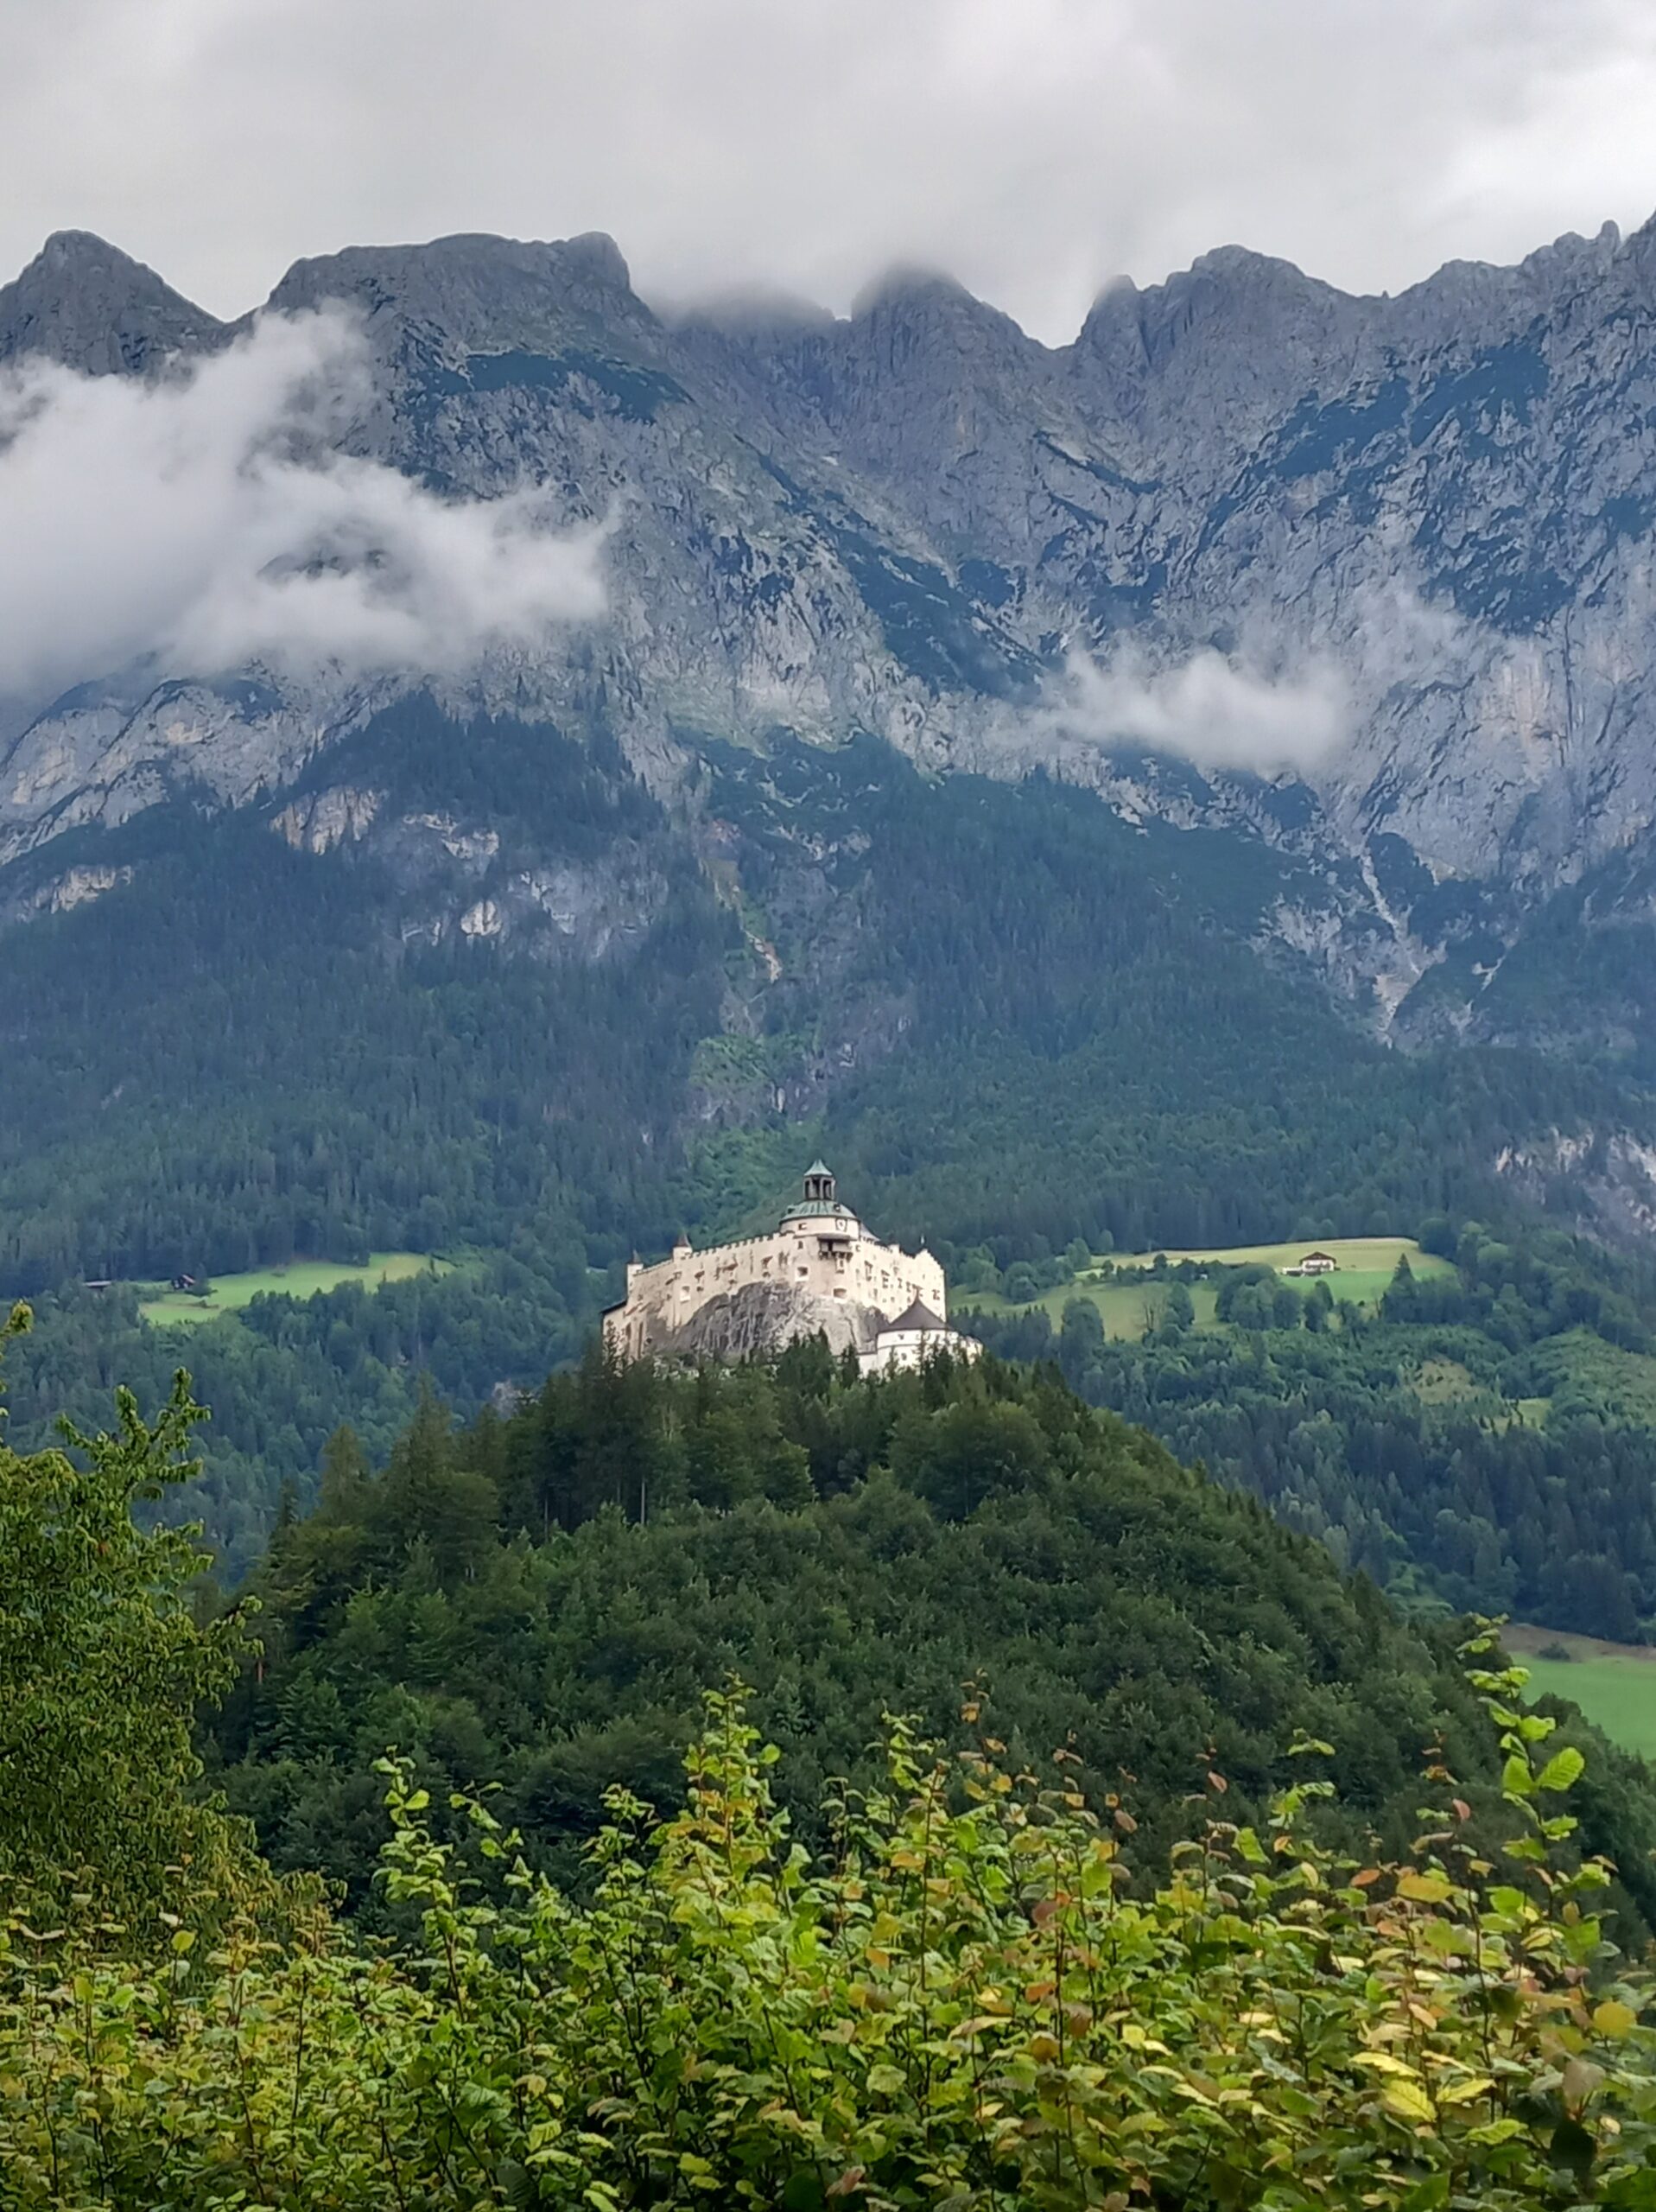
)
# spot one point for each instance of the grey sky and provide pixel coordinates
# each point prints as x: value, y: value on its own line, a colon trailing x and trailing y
x: 1034, y: 148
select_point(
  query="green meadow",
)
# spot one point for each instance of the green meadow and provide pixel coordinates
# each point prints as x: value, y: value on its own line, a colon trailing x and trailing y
x: 1366, y: 1266
x: 300, y: 1279
x: 1130, y: 1309
x: 1614, y: 1684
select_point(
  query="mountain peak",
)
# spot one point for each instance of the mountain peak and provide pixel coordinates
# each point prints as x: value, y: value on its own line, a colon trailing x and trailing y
x: 597, y: 256
x: 1242, y: 268
x: 1235, y: 331
x: 479, y: 289
x: 81, y: 249
x: 911, y: 280
x: 85, y: 303
x: 916, y: 291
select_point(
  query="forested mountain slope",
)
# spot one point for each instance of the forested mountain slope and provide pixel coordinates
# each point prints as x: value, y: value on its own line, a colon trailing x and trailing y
x: 1005, y: 1013
x: 1183, y: 789
x: 1408, y: 533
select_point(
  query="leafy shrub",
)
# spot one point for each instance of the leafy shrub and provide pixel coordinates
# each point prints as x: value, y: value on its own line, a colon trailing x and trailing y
x: 960, y: 2005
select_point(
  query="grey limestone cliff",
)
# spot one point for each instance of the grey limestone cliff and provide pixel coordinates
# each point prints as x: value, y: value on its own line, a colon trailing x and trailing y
x: 762, y: 1318
x: 87, y: 306
x: 1430, y: 516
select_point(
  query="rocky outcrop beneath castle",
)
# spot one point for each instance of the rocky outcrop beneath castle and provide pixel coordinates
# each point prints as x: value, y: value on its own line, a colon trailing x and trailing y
x: 761, y: 1317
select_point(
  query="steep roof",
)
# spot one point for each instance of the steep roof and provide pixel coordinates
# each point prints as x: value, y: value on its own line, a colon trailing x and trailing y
x: 918, y: 1316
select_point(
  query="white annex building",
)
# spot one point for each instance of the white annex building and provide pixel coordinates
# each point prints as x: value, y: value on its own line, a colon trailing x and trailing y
x: 819, y: 1269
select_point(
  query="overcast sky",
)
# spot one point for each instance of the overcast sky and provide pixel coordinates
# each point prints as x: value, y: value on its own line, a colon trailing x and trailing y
x: 1034, y: 148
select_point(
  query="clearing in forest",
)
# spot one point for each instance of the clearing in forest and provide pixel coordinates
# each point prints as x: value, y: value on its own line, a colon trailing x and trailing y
x: 1614, y: 1684
x: 1365, y: 1263
x: 300, y: 1279
x: 1130, y: 1300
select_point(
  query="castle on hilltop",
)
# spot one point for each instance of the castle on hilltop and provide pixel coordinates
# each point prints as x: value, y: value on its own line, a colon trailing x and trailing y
x: 819, y: 1271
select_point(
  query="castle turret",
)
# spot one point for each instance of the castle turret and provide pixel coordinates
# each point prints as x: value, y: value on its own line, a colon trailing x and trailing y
x: 819, y: 1210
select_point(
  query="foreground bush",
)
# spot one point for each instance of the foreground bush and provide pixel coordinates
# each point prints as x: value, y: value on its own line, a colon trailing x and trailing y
x: 104, y: 1667
x: 961, y: 2007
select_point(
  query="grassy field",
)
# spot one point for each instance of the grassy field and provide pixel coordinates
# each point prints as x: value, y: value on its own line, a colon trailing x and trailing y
x: 1614, y: 1684
x: 302, y: 1279
x: 1365, y: 1267
x: 1125, y: 1306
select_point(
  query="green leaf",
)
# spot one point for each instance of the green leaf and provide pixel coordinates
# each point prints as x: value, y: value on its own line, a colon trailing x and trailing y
x: 1497, y: 2131
x: 1427, y: 1888
x: 1409, y: 2101
x: 1426, y: 2195
x: 1563, y: 1771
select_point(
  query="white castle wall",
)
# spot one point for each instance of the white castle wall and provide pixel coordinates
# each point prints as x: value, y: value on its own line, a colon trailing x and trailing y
x: 840, y: 1261
x: 897, y: 1349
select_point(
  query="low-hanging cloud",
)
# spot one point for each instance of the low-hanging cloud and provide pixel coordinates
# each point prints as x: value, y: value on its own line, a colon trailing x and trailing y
x: 210, y: 522
x: 1213, y: 711
x: 1033, y: 151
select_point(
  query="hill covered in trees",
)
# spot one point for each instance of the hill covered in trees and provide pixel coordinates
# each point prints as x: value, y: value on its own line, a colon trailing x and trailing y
x: 974, y: 1977
x: 1482, y: 1439
x: 539, y: 1603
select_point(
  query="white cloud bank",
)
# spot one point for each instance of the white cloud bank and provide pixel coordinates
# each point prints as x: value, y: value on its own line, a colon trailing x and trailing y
x: 210, y: 522
x: 1212, y: 711
x: 1279, y: 704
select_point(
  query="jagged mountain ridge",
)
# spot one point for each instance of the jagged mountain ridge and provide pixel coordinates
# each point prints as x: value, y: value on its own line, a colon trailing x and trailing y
x: 902, y: 521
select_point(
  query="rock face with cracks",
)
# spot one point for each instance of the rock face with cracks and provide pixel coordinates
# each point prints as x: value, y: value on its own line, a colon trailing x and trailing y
x: 762, y: 1318
x: 1367, y: 580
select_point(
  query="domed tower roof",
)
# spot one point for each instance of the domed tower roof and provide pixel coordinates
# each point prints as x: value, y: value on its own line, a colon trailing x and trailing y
x: 819, y: 1208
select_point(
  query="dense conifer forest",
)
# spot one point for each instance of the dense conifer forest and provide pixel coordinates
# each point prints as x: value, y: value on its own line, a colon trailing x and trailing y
x: 1115, y: 1059
x: 539, y: 1603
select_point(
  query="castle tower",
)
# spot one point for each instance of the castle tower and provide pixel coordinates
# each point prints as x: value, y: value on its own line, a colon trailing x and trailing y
x: 819, y: 1185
